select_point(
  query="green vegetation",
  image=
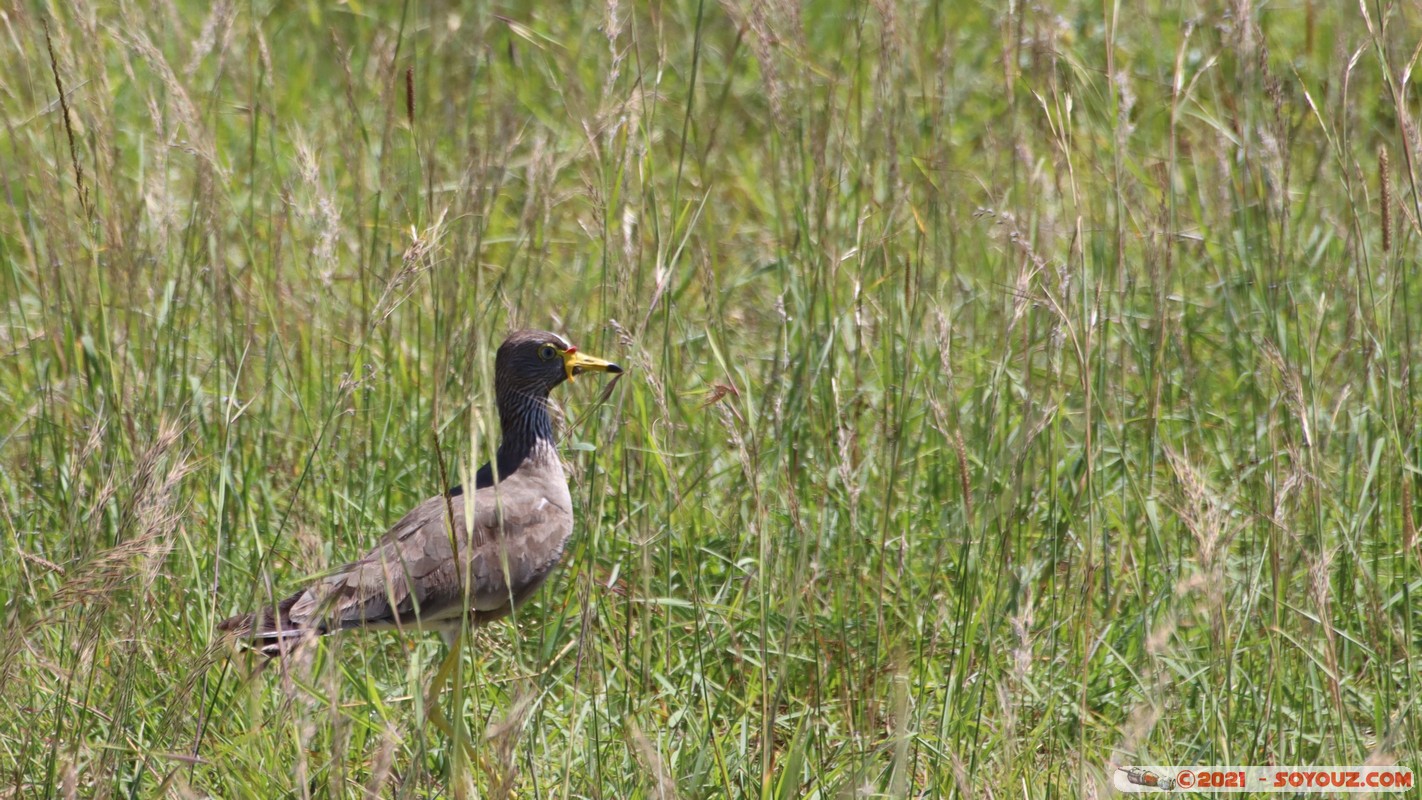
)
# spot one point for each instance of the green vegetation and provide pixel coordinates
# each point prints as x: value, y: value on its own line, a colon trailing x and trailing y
x: 1014, y: 392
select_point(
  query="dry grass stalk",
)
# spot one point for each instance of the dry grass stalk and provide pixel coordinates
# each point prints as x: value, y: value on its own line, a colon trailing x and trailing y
x: 663, y: 785
x: 68, y: 125
x: 1385, y: 198
x: 504, y: 733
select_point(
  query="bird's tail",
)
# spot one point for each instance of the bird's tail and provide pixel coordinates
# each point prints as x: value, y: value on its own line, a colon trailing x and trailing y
x: 270, y: 631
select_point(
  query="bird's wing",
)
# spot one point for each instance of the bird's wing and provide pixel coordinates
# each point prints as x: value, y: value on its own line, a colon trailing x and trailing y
x: 517, y: 536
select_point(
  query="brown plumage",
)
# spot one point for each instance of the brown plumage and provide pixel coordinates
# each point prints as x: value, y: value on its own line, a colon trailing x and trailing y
x: 508, y: 534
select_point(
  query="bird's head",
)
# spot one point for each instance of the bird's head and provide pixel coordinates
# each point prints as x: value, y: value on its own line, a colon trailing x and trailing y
x: 536, y: 361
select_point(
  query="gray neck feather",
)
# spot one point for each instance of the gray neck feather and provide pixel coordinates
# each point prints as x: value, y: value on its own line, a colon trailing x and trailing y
x: 527, y: 430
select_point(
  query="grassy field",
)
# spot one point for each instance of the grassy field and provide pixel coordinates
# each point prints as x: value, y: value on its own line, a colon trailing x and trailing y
x: 1014, y: 392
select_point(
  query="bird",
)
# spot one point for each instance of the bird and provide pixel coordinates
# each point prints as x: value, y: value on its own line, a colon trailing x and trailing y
x: 465, y: 557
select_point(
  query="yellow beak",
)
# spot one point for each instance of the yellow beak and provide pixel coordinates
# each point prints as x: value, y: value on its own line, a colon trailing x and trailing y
x: 575, y: 362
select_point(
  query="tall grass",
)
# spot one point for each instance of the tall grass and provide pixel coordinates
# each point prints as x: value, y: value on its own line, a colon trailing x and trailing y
x: 1013, y: 393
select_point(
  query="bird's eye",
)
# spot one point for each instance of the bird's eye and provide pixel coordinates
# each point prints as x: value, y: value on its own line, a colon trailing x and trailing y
x: 547, y: 352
